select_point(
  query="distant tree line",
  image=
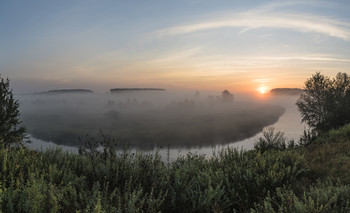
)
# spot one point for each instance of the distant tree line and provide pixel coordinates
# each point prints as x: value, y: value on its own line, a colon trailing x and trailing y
x: 287, y: 91
x: 65, y: 91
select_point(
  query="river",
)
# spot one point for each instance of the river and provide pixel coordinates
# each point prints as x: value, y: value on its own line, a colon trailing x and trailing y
x: 289, y: 123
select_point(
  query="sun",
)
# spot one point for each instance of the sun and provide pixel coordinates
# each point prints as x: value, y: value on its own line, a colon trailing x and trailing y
x: 262, y: 90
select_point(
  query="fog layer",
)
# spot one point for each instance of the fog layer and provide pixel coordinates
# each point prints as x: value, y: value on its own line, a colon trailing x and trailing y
x: 145, y: 119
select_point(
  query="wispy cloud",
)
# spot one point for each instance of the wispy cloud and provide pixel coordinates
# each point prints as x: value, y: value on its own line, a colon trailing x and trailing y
x: 273, y: 5
x: 176, y: 56
x: 266, y: 17
x: 224, y: 63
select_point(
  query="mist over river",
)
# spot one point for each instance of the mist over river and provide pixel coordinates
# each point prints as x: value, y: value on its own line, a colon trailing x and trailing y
x: 172, y: 123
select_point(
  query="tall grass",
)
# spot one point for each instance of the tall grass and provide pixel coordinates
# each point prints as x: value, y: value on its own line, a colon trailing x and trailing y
x: 310, y: 178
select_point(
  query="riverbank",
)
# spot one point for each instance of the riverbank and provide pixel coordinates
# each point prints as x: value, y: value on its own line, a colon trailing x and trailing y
x: 297, y: 179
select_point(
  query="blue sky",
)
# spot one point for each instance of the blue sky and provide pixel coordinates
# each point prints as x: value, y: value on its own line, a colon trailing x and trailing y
x: 194, y: 44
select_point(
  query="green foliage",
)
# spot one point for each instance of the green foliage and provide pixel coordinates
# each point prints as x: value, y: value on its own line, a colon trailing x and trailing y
x: 311, y: 178
x: 11, y: 131
x: 307, y: 137
x: 54, y: 181
x: 334, y: 135
x: 324, y: 197
x: 272, y: 139
x: 326, y: 102
x: 329, y: 155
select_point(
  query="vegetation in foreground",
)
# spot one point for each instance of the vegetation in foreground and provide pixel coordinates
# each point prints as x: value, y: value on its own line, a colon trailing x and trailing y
x: 308, y: 178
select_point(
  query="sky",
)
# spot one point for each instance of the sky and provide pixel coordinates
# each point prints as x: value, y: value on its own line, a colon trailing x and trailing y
x: 242, y: 46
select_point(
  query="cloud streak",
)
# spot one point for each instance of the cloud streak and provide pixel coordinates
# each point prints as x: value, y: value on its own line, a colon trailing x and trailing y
x: 266, y: 19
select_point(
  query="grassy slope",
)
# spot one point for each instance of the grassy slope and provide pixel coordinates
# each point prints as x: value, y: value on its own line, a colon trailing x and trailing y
x: 329, y: 155
x: 327, y: 188
x: 310, y: 178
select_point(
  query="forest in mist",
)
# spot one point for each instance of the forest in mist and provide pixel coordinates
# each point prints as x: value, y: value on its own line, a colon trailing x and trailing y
x: 146, y: 119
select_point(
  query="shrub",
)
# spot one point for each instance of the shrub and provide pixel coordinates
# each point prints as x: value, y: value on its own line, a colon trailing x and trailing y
x: 324, y: 197
x: 272, y: 139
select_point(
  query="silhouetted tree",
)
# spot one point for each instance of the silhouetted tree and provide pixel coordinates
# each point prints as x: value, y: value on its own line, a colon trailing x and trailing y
x: 227, y: 96
x: 325, y: 104
x: 11, y: 131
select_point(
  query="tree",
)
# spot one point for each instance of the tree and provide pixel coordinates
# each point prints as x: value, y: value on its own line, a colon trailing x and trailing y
x: 11, y: 131
x: 325, y: 104
x: 227, y: 96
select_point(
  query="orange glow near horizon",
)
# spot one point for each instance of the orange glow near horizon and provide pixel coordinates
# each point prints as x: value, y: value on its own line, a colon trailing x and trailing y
x: 262, y: 89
